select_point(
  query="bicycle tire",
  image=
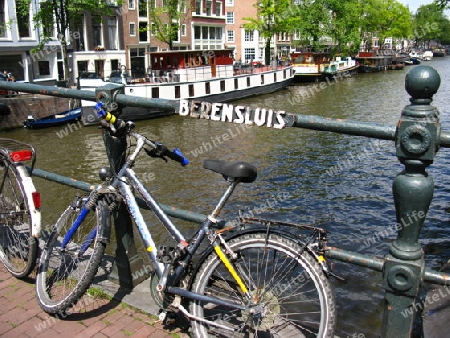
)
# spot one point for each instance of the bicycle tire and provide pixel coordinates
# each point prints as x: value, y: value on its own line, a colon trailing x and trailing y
x: 63, y: 275
x: 18, y: 247
x: 294, y: 295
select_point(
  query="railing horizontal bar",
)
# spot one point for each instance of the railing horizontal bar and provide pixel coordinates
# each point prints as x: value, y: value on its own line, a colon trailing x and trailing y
x: 49, y: 176
x: 377, y: 264
x: 138, y: 101
x: 313, y: 122
x: 175, y: 212
x: 170, y: 210
x: 49, y: 90
x: 444, y: 140
x: 355, y: 258
x: 345, y: 126
x: 437, y: 277
x: 88, y: 95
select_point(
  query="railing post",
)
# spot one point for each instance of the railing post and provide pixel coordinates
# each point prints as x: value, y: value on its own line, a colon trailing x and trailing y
x: 128, y: 267
x: 417, y: 141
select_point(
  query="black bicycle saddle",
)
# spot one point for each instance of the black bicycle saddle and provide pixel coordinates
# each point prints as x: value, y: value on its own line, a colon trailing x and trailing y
x: 244, y: 171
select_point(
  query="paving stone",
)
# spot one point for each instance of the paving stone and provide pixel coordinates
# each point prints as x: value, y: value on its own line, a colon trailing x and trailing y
x: 21, y: 316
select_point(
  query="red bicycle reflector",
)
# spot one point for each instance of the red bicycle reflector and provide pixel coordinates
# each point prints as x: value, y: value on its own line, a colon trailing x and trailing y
x: 21, y: 155
x: 36, y: 199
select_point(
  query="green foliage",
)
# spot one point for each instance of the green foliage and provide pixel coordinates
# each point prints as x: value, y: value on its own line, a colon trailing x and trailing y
x: 385, y: 18
x: 273, y: 16
x: 166, y: 20
x: 64, y: 15
x: 430, y: 23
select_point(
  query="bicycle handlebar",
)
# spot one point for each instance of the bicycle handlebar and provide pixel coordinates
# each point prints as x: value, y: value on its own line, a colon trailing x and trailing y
x: 118, y: 126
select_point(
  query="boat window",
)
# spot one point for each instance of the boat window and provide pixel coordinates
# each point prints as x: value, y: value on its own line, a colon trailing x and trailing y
x: 191, y: 90
x: 222, y: 85
x: 248, y: 81
x: 236, y: 85
x: 262, y: 79
x: 207, y: 88
x: 177, y: 92
x: 155, y: 92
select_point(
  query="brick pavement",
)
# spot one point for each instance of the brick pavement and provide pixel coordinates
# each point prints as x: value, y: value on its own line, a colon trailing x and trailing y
x: 21, y: 316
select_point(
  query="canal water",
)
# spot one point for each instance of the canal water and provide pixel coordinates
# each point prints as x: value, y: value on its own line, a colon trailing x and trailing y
x: 339, y: 182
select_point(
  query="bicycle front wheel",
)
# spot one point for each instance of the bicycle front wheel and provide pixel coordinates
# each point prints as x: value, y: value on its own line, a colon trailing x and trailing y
x: 291, y: 295
x: 70, y: 258
x: 18, y: 248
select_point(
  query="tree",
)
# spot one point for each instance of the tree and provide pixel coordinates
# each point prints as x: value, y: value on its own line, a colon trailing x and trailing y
x: 63, y: 15
x: 428, y: 24
x: 272, y: 18
x: 314, y: 23
x: 329, y: 24
x: 344, y: 27
x: 385, y: 18
x: 166, y: 20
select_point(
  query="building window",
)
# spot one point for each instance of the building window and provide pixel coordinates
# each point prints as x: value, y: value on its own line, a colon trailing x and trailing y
x: 183, y: 6
x: 132, y: 29
x: 218, y: 8
x: 97, y: 30
x: 230, y: 17
x: 143, y: 8
x: 143, y: 32
x: 44, y: 67
x: 79, y: 42
x: 197, y: 32
x: 23, y: 22
x: 131, y: 4
x: 112, y: 33
x: 230, y: 36
x: 82, y: 66
x: 183, y: 30
x: 198, y: 7
x: 114, y: 64
x: 229, y: 3
x: 208, y: 7
x: 2, y: 19
x: 249, y: 36
x: 153, y: 29
x: 249, y: 54
x: 137, y: 60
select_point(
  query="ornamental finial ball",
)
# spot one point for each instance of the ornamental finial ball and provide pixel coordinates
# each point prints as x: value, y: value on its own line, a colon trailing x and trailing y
x: 422, y: 82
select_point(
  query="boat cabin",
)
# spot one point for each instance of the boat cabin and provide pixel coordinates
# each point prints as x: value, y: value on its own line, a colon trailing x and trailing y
x: 191, y: 65
x: 310, y: 58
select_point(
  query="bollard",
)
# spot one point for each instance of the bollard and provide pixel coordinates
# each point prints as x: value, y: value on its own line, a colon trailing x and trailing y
x: 417, y: 141
x: 126, y: 262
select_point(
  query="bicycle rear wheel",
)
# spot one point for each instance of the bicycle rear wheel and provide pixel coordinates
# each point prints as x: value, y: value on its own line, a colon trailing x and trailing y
x: 66, y: 271
x: 292, y: 295
x: 18, y: 248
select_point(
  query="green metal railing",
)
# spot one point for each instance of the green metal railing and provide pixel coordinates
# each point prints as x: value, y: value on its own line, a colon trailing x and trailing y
x: 417, y: 138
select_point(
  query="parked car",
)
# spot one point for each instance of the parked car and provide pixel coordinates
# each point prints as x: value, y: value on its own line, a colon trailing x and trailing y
x: 89, y: 75
x: 116, y: 77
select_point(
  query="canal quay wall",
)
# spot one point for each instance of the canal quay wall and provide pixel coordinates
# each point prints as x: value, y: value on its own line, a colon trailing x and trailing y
x: 23, y: 105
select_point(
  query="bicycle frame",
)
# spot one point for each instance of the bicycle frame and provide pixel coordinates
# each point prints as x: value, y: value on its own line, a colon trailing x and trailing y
x: 120, y: 183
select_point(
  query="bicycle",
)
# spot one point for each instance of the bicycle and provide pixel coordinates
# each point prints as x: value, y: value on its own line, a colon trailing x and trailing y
x: 20, y: 217
x: 253, y: 278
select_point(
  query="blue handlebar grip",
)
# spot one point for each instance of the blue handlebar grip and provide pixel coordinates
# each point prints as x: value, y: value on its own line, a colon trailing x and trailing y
x: 185, y: 160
